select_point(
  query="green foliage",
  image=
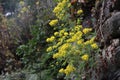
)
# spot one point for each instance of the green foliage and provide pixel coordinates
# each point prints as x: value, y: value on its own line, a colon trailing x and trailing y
x: 31, y: 51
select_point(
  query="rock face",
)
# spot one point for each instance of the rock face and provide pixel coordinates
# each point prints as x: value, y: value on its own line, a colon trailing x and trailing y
x: 109, y: 33
x: 111, y: 27
x: 108, y: 20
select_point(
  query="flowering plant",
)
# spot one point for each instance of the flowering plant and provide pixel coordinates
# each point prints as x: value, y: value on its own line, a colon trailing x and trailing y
x: 73, y: 46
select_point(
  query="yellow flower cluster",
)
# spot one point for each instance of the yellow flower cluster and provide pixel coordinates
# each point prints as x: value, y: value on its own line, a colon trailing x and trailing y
x: 70, y: 43
x: 59, y: 9
x: 75, y: 37
x: 53, y: 22
x: 61, y: 70
x: 51, y: 39
x: 79, y: 42
x: 68, y: 37
x: 87, y: 30
x: 78, y: 27
x: 89, y: 42
x: 68, y: 70
x: 56, y: 33
x: 85, y: 57
x: 61, y: 32
x: 49, y: 49
x: 62, y: 50
x: 79, y: 11
x: 94, y: 46
x: 72, y: 35
x: 65, y: 33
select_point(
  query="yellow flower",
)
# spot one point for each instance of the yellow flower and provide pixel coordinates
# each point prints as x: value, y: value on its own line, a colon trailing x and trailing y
x: 64, y: 46
x: 53, y: 22
x: 85, y: 57
x: 62, y: 50
x: 49, y: 49
x: 80, y: 26
x: 60, y: 4
x: 69, y: 40
x: 56, y: 55
x: 92, y: 40
x: 64, y: 2
x: 59, y: 43
x: 52, y: 38
x: 87, y: 30
x: 74, y: 38
x: 77, y: 28
x: 61, y: 70
x: 61, y: 32
x: 94, y: 46
x: 69, y: 69
x: 87, y: 42
x: 48, y: 39
x: 79, y: 34
x: 54, y: 47
x: 79, y: 11
x: 71, y: 33
x: 56, y: 33
x: 65, y: 33
x: 62, y: 53
x: 57, y: 9
x: 79, y: 42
